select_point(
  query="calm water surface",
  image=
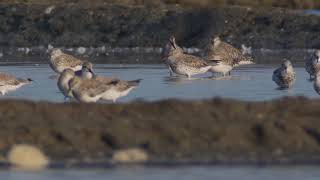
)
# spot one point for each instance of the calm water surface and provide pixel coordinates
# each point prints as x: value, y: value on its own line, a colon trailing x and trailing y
x: 252, y: 83
x: 185, y: 173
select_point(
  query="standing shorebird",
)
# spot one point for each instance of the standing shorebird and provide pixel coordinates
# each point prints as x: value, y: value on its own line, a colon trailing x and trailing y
x: 63, y: 82
x: 312, y: 64
x: 11, y: 83
x: 86, y: 71
x: 284, y: 76
x: 60, y: 61
x: 316, y: 84
x: 227, y: 56
x: 88, y: 90
x: 184, y: 64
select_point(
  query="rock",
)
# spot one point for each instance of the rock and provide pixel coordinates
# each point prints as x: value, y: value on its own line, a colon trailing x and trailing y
x: 132, y: 155
x: 27, y: 157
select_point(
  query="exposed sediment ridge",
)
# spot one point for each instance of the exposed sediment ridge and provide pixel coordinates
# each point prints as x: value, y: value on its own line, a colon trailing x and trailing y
x: 214, y: 130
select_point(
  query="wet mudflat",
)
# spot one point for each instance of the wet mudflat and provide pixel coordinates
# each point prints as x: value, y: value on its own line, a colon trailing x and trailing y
x: 249, y: 83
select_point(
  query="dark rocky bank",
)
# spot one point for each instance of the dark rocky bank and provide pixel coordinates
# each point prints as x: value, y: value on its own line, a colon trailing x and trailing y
x: 104, y: 25
x: 218, y: 130
x: 130, y: 26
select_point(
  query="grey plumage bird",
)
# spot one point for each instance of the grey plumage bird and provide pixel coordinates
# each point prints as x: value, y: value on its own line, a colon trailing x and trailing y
x: 86, y: 71
x: 316, y: 84
x: 184, y: 64
x: 312, y: 64
x: 284, y: 76
x: 120, y: 88
x: 88, y: 90
x: 63, y: 82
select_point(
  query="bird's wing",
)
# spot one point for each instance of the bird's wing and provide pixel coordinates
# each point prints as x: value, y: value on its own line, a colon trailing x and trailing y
x: 7, y: 79
x: 66, y: 59
x: 93, y: 87
x: 193, y: 61
x: 122, y: 85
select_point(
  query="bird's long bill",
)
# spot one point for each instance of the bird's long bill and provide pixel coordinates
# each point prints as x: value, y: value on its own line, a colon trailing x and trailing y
x: 172, y: 44
x: 93, y: 74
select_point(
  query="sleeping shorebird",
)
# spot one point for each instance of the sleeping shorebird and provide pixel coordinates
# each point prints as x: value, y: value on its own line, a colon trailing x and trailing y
x: 312, y: 64
x: 88, y: 90
x: 227, y: 56
x: 184, y: 64
x: 316, y: 84
x: 86, y: 71
x: 284, y: 76
x: 119, y: 88
x: 60, y: 61
x: 11, y: 83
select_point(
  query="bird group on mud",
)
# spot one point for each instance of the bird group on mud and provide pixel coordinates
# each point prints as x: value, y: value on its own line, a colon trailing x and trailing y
x: 78, y: 81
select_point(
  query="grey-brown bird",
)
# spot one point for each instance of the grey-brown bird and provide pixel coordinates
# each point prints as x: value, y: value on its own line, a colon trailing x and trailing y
x: 284, y: 76
x: 220, y: 50
x: 312, y: 64
x: 184, y: 64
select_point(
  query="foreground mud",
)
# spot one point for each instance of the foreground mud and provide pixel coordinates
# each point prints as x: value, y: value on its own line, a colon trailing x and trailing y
x: 286, y: 130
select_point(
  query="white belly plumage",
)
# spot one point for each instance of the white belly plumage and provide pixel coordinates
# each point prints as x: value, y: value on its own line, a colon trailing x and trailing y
x: 113, y: 94
x: 6, y: 88
x: 221, y: 68
x: 189, y: 70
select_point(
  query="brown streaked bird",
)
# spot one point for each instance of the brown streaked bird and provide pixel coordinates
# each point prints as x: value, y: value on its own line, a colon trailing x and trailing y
x: 184, y: 64
x: 222, y: 51
x: 312, y: 64
x: 10, y: 83
x: 284, y: 76
x: 60, y: 61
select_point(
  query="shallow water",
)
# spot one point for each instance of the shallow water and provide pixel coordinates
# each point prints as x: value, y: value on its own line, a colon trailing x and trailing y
x: 251, y: 82
x: 185, y: 173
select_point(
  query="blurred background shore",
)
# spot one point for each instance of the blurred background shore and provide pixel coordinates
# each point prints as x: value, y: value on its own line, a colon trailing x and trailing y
x: 297, y: 4
x: 113, y: 24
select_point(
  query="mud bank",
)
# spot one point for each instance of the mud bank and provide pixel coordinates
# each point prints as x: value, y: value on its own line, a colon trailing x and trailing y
x: 286, y: 130
x: 76, y: 25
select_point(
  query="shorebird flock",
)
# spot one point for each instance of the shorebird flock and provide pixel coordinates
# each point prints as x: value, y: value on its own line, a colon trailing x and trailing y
x: 77, y: 80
